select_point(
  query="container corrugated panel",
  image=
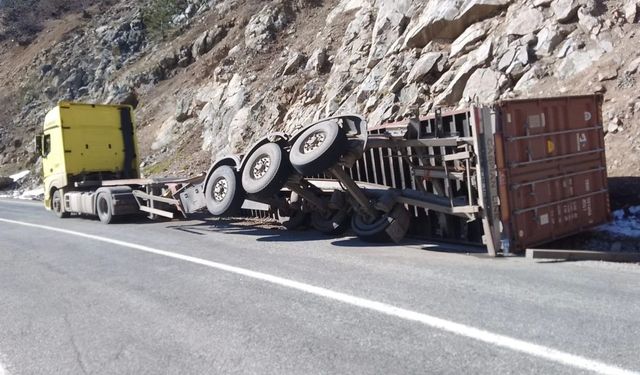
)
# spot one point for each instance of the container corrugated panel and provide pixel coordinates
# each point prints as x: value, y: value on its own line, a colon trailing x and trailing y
x: 552, y: 168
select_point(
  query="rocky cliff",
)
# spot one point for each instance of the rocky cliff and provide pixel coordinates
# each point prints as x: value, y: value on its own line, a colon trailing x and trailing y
x: 226, y: 72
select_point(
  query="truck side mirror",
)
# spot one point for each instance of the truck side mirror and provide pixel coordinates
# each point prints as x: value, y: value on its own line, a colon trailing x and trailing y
x: 39, y: 144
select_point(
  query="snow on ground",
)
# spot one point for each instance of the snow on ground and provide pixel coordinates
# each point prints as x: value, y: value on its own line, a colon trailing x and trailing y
x: 625, y: 222
x: 34, y: 194
x: 19, y: 175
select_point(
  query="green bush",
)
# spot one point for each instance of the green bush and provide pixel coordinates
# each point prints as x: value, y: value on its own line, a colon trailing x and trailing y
x: 158, y: 14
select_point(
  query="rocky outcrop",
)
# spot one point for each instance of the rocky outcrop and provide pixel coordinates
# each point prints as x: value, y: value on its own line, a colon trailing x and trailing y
x: 253, y: 67
x: 448, y: 19
x: 264, y: 26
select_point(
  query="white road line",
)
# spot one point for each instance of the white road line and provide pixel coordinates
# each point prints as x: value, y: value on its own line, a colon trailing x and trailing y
x: 502, y: 341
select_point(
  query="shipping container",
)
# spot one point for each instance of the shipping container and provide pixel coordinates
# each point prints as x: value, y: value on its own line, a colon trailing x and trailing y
x: 552, y: 169
x: 536, y: 169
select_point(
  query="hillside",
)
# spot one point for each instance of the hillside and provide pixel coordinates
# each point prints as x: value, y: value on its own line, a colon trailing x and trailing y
x: 208, y: 77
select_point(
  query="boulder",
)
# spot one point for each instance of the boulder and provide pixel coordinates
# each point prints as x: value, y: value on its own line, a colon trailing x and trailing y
x: 484, y: 86
x: 318, y: 61
x: 448, y: 19
x: 264, y: 25
x: 471, y: 35
x: 588, y: 23
x: 577, y: 62
x: 182, y: 110
x: 200, y: 45
x: 345, y: 6
x: 608, y: 73
x: 529, y: 79
x: 526, y: 21
x: 425, y: 65
x: 548, y: 39
x: 165, y: 135
x: 391, y: 20
x: 565, y: 10
x: 633, y: 66
x: 515, y: 61
x: 453, y: 93
x: 294, y: 62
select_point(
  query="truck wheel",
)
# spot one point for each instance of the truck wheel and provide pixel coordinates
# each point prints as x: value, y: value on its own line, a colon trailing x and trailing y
x: 266, y: 171
x: 223, y: 195
x: 389, y: 227
x: 57, y: 205
x: 104, y: 208
x: 318, y: 148
x: 335, y: 224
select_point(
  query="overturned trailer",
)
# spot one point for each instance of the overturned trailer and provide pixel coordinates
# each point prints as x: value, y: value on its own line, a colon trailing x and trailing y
x: 511, y: 175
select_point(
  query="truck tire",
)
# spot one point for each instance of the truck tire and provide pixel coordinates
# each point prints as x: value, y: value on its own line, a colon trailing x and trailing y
x: 377, y: 231
x: 57, y: 205
x: 266, y: 171
x: 223, y: 193
x: 336, y: 224
x: 318, y: 148
x: 104, y: 208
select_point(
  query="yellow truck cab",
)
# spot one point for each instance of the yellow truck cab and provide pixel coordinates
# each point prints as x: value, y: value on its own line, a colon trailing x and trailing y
x: 83, y: 145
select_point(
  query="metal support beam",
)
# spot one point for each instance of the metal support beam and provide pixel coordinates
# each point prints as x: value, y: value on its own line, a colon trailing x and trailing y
x: 156, y: 211
x: 307, y: 194
x: 354, y: 190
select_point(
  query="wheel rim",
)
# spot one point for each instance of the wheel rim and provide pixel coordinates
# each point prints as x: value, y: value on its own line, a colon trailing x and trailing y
x: 220, y: 189
x: 260, y: 167
x: 313, y: 141
x: 56, y: 202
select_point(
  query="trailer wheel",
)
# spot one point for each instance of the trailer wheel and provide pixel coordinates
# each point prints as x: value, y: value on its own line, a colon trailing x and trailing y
x: 389, y: 227
x: 335, y: 224
x: 266, y: 171
x: 223, y: 195
x: 104, y: 208
x: 57, y: 205
x: 318, y: 148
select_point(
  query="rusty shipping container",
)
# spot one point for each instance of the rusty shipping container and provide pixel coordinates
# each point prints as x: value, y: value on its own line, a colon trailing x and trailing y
x: 552, y: 173
x: 531, y: 171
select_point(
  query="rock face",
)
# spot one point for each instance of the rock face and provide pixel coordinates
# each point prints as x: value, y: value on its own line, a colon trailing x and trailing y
x: 232, y: 72
x: 264, y: 26
x: 449, y: 18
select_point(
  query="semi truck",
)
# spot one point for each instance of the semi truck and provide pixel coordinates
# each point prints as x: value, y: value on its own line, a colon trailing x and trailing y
x: 505, y: 176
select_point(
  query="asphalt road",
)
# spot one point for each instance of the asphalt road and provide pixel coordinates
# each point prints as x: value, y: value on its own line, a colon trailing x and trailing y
x: 190, y: 300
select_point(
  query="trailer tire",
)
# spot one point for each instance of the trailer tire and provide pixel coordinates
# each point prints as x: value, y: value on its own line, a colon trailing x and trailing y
x: 223, y: 194
x: 336, y: 224
x: 104, y: 208
x: 377, y: 230
x: 266, y: 171
x: 318, y: 148
x: 57, y: 205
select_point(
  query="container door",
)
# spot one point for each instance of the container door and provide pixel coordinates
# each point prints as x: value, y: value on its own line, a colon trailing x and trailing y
x: 552, y: 168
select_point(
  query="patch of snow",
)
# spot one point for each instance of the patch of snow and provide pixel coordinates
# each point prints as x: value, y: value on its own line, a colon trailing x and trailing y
x: 34, y: 194
x: 625, y: 222
x: 19, y: 175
